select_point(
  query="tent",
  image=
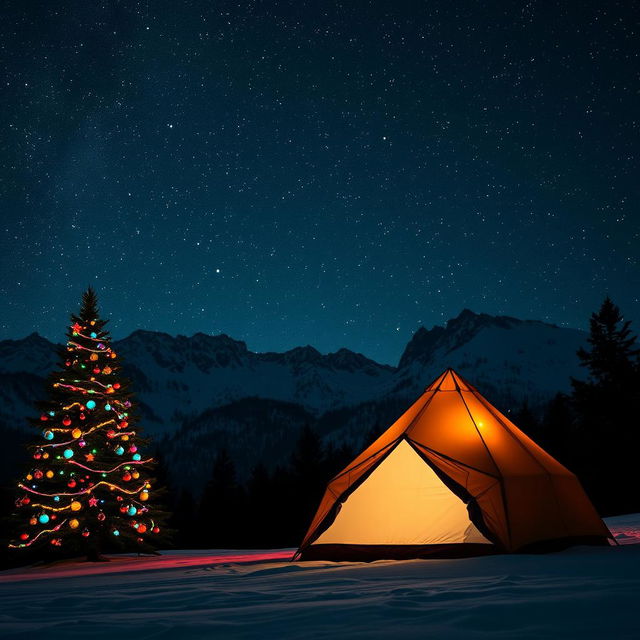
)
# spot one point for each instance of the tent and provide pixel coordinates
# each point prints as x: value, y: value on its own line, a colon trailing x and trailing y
x: 451, y: 477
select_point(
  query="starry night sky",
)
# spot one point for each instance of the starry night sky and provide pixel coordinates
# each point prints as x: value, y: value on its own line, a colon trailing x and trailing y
x: 322, y: 173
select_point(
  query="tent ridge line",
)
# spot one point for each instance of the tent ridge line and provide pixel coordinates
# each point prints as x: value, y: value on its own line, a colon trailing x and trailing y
x: 446, y: 457
x: 419, y: 414
x: 502, y: 489
x: 351, y: 469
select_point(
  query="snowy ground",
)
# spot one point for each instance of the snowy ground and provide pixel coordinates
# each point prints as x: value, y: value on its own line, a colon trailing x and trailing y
x: 580, y: 593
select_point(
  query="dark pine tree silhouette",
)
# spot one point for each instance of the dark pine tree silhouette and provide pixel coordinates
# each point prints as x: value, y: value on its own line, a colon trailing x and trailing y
x: 557, y: 430
x: 308, y: 474
x: 607, y: 406
x: 184, y: 521
x: 527, y: 420
x: 222, y: 513
x: 262, y: 527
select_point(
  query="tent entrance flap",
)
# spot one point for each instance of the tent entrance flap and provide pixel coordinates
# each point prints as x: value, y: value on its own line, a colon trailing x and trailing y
x: 402, y: 502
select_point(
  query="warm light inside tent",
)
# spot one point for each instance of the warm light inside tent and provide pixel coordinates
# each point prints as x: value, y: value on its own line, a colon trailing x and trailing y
x: 403, y: 501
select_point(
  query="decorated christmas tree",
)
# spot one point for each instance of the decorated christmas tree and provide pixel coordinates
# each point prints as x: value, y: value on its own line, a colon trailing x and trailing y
x: 89, y: 487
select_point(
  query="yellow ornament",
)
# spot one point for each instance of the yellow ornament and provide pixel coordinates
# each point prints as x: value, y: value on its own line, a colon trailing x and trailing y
x: 29, y: 476
x: 76, y: 433
x: 107, y: 370
x: 93, y: 356
x: 74, y: 524
x: 92, y: 322
x: 76, y: 506
x: 33, y: 521
x: 135, y: 475
x: 144, y: 495
x: 45, y: 455
x: 113, y: 354
x: 49, y: 474
x: 125, y: 437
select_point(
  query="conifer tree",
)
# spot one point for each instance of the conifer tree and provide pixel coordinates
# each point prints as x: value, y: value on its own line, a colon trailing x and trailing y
x: 89, y: 487
x: 606, y: 404
x: 612, y: 359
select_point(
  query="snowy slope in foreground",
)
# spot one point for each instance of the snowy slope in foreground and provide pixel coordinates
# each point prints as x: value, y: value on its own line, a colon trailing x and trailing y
x: 580, y: 593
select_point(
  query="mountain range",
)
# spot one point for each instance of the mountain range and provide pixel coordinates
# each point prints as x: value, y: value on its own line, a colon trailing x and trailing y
x: 199, y: 393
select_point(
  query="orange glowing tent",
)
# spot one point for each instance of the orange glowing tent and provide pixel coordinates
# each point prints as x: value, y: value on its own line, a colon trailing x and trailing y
x: 451, y: 477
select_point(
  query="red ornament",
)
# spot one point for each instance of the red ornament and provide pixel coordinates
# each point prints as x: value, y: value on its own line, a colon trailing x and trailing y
x: 111, y: 433
x: 101, y: 516
x: 37, y: 474
x: 81, y: 416
x: 66, y: 421
x: 96, y: 370
x: 133, y: 448
x: 140, y: 540
x: 85, y: 533
x: 71, y: 484
x: 37, y: 455
x: 24, y: 536
x: 124, y: 509
x: 116, y: 385
x: 26, y: 500
x: 156, y: 530
x: 142, y: 528
x: 67, y: 363
x: 44, y: 418
x: 123, y: 425
x: 126, y: 477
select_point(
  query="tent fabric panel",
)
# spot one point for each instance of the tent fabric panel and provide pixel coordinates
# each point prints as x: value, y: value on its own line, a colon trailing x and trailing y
x: 337, y: 488
x: 581, y: 517
x: 448, y: 383
x: 548, y: 462
x: 402, y: 501
x: 534, y: 510
x: 511, y: 455
x: 486, y: 490
x: 447, y: 427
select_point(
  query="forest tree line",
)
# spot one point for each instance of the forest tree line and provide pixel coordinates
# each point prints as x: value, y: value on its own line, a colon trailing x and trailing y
x: 594, y: 431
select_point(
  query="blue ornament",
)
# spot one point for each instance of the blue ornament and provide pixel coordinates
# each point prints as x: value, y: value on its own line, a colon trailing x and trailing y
x: 91, y: 404
x: 131, y: 511
x: 43, y: 518
x: 52, y: 413
x: 119, y: 450
x: 94, y: 334
x: 56, y: 499
x: 107, y: 407
x: 136, y: 456
x: 68, y: 453
x: 115, y: 532
x: 48, y: 435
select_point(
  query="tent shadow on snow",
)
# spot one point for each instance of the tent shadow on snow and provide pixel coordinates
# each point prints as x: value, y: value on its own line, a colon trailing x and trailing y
x: 452, y: 477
